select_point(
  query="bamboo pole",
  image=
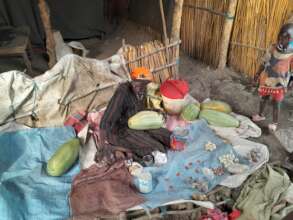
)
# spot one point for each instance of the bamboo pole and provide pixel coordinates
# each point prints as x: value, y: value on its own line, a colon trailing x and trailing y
x: 227, y: 32
x: 163, y: 22
x: 50, y: 42
x: 175, y: 31
x: 176, y: 20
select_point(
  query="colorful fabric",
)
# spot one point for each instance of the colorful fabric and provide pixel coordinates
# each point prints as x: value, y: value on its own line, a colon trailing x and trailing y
x: 214, y: 214
x: 276, y: 93
x: 277, y: 69
x: 77, y: 121
x: 234, y: 215
x: 27, y: 192
x: 87, y: 127
x: 193, y: 170
x: 141, y: 73
x: 80, y: 119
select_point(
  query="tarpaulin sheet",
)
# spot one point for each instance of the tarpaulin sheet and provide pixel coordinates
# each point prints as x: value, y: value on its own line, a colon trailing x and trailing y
x: 73, y: 84
x: 194, y: 170
x: 27, y: 192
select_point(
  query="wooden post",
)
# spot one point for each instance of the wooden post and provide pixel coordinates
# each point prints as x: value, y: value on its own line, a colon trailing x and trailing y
x: 165, y: 32
x: 163, y: 21
x: 175, y: 30
x: 176, y: 20
x: 227, y: 32
x: 50, y: 42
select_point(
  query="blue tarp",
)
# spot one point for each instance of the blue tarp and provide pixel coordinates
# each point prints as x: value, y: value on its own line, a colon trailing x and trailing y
x: 192, y: 170
x: 26, y: 191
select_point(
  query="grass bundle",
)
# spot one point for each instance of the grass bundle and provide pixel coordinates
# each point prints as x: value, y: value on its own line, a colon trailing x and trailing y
x: 154, y: 55
x: 256, y: 27
x: 201, y: 29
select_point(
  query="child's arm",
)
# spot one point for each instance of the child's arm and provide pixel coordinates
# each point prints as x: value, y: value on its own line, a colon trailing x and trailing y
x: 265, y: 59
x: 290, y: 84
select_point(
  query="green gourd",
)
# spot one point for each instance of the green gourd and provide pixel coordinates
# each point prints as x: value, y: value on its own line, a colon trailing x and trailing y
x: 64, y: 158
x: 219, y: 119
x: 146, y: 120
x: 190, y: 112
x: 217, y: 106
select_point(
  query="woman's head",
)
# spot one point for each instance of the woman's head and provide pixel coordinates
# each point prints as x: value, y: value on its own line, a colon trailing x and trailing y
x: 141, y: 73
x: 139, y: 87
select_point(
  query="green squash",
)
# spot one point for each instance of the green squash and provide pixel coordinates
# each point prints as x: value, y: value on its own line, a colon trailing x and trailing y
x: 216, y: 106
x: 219, y: 119
x: 190, y: 112
x: 64, y: 158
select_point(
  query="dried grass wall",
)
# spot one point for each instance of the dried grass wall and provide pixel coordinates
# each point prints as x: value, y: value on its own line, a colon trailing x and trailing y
x: 201, y: 29
x: 255, y: 27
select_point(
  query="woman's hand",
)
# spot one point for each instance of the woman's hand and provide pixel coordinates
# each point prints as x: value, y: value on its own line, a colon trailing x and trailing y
x: 102, y: 137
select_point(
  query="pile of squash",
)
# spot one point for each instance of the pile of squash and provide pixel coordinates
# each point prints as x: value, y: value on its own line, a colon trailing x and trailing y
x: 216, y: 113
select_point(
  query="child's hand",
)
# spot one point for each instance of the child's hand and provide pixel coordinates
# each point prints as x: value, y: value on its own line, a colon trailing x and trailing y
x: 290, y: 86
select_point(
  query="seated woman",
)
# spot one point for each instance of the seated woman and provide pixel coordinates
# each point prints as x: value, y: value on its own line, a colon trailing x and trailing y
x: 130, y: 98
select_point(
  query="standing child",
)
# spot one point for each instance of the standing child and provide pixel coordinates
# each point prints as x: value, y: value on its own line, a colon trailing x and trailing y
x: 275, y: 77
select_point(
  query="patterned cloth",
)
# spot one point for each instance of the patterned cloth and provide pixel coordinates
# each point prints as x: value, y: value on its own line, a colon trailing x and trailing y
x: 276, y: 93
x: 214, y: 214
x: 196, y: 169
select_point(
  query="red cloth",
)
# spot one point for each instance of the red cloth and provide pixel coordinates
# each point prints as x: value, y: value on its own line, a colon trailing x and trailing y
x: 214, y: 214
x: 276, y: 93
x: 174, y: 89
x: 80, y: 119
x: 77, y: 121
x: 234, y: 215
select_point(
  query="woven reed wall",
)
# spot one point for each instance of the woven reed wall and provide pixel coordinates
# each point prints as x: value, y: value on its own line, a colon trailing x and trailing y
x: 255, y: 27
x: 162, y: 61
x: 201, y: 29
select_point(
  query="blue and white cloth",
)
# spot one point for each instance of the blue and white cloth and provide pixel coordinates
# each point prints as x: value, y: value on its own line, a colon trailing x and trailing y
x: 194, y: 170
x: 26, y: 191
